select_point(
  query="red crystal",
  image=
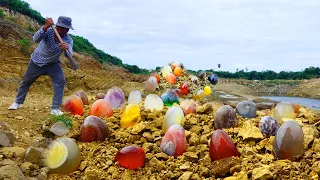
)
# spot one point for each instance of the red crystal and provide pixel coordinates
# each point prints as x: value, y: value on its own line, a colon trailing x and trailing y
x: 221, y: 146
x: 174, y: 142
x: 184, y: 88
x: 93, y: 129
x: 83, y: 96
x: 101, y: 108
x: 178, y: 91
x: 73, y: 104
x: 131, y: 157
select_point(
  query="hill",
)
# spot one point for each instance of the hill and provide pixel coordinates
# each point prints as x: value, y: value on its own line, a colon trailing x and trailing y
x: 16, y: 31
x: 80, y: 44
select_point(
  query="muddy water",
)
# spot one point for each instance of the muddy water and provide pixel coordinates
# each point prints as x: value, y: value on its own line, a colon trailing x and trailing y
x: 310, y: 103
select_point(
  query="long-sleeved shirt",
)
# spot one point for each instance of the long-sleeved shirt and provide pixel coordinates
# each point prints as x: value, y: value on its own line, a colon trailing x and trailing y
x: 48, y: 50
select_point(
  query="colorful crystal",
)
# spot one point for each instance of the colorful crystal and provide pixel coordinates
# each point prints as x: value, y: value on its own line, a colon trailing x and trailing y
x: 225, y: 117
x: 73, y: 104
x: 247, y: 109
x: 199, y: 95
x: 100, y: 96
x: 176, y: 64
x: 207, y: 90
x: 130, y: 115
x: 202, y: 75
x: 171, y: 78
x: 221, y: 146
x: 115, y: 97
x: 174, y: 115
x: 83, y: 96
x: 151, y: 84
x: 156, y: 75
x: 213, y: 79
x: 93, y: 129
x: 178, y: 91
x: 153, y: 102
x: 166, y: 70
x: 62, y: 156
x: 268, y: 126
x: 134, y: 97
x: 288, y: 142
x: 131, y: 157
x: 101, y: 108
x: 184, y: 88
x: 296, y: 108
x: 283, y: 110
x: 174, y: 142
x: 177, y: 71
x: 170, y: 97
x: 194, y: 79
x: 188, y: 106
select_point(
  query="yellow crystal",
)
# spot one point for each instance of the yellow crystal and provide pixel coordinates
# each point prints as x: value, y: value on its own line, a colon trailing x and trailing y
x: 130, y: 115
x: 56, y: 155
x: 207, y: 90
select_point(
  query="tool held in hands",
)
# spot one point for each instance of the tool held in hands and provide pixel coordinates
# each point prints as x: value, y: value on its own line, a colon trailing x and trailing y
x: 67, y: 52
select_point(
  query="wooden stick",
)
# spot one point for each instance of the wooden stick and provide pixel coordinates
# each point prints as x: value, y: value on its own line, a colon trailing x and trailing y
x: 72, y: 61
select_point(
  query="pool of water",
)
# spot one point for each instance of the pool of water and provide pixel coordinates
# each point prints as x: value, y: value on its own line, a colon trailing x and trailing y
x: 310, y: 103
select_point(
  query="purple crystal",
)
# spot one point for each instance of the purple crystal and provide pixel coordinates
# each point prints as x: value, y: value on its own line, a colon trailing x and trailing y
x: 268, y: 126
x: 115, y: 97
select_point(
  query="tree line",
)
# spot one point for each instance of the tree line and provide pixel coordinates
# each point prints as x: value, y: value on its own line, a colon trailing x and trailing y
x: 22, y: 8
x: 307, y: 73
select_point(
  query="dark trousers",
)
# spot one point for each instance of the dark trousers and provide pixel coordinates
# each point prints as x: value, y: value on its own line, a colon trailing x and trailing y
x: 33, y: 72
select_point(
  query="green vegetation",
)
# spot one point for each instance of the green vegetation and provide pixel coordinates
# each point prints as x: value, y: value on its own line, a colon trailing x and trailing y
x: 24, y: 44
x: 308, y: 73
x: 1, y: 13
x: 23, y: 8
x: 12, y: 19
x: 63, y: 118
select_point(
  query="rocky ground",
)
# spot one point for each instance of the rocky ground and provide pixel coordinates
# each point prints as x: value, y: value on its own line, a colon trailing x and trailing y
x: 30, y: 126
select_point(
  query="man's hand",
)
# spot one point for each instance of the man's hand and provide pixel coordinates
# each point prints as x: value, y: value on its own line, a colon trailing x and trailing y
x: 49, y: 23
x: 64, y: 46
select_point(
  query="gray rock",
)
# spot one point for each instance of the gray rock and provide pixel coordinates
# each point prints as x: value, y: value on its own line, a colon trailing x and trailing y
x: 10, y: 152
x: 247, y: 109
x: 42, y: 142
x: 11, y: 172
x: 7, y: 138
x: 59, y: 129
x: 7, y: 162
x: 33, y: 155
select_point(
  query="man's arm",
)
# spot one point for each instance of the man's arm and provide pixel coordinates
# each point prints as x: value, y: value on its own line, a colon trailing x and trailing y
x: 42, y: 32
x: 68, y: 45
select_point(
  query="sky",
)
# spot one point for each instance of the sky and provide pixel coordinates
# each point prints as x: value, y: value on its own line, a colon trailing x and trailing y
x: 278, y: 35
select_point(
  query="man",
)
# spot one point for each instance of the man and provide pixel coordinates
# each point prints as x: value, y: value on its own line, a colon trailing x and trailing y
x: 45, y: 60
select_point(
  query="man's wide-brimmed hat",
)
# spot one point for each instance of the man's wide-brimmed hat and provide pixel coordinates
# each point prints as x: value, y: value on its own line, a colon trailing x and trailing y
x: 65, y: 22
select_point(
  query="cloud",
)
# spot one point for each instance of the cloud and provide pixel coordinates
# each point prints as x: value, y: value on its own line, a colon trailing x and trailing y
x: 260, y: 35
